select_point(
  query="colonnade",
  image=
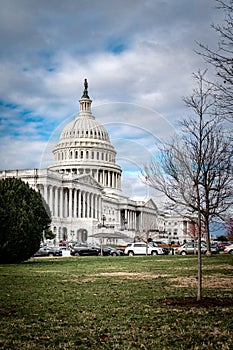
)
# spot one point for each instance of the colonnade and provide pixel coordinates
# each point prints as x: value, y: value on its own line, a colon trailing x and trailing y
x: 138, y: 220
x: 107, y: 178
x: 67, y: 202
x: 130, y: 219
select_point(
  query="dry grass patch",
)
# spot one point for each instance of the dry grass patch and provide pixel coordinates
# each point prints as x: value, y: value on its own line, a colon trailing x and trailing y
x: 131, y: 275
x: 214, y: 281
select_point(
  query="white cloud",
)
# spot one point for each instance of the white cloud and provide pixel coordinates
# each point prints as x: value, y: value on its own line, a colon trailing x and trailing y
x: 20, y: 153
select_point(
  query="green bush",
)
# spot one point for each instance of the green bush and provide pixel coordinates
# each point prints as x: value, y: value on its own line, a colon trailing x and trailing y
x: 23, y: 218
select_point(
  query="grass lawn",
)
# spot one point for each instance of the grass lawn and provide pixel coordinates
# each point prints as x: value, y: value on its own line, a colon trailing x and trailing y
x: 116, y: 303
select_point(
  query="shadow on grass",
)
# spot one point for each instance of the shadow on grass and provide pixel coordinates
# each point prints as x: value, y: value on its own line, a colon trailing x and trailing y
x: 205, y: 302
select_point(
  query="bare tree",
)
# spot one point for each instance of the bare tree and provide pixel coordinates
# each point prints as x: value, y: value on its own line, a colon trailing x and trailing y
x: 222, y: 59
x: 208, y: 143
x: 195, y: 171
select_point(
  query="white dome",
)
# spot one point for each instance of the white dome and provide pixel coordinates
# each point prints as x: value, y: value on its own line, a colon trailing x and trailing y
x: 84, y: 126
x: 84, y: 147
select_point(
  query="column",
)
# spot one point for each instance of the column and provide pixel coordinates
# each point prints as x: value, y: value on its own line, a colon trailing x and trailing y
x: 118, y: 182
x: 46, y: 194
x: 75, y: 203
x: 61, y: 203
x: 85, y: 204
x: 102, y: 177
x: 56, y: 202
x: 65, y: 202
x: 92, y: 206
x: 70, y: 203
x: 95, y: 207
x: 88, y: 204
x: 99, y: 208
x: 51, y: 199
x: 79, y: 203
x: 135, y: 220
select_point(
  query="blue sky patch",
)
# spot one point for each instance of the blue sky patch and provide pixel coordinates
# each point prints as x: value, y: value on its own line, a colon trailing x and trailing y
x: 116, y: 46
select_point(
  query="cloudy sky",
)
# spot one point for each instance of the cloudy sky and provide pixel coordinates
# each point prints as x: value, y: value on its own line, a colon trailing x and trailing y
x: 138, y: 57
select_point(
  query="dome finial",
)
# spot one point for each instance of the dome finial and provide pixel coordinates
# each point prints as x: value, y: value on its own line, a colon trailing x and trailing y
x: 85, y: 92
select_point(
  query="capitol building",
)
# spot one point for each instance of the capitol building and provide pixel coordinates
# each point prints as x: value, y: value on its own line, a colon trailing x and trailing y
x: 82, y: 187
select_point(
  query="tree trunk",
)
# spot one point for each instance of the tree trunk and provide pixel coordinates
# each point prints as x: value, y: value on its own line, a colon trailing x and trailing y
x: 199, y: 274
x: 207, y: 229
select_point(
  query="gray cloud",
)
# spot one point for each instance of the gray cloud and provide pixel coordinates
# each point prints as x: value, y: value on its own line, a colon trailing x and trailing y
x: 138, y: 53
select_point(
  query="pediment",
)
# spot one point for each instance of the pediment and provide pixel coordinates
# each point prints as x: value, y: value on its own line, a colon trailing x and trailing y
x: 84, y: 179
x: 151, y: 204
x: 88, y: 180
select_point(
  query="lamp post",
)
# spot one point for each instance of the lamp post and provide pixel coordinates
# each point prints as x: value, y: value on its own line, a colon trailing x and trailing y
x: 103, y: 220
x: 103, y: 226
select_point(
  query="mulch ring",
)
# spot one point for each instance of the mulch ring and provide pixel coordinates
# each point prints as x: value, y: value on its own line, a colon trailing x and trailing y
x: 205, y: 302
x: 6, y: 311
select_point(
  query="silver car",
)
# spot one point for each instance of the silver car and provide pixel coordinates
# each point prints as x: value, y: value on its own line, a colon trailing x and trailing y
x: 190, y: 248
x: 229, y: 249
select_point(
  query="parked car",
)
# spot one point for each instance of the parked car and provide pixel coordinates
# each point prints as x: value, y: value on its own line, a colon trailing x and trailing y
x: 112, y: 251
x: 191, y: 247
x: 140, y: 248
x: 48, y: 251
x: 229, y: 249
x: 163, y: 245
x: 222, y: 245
x: 65, y: 251
x: 85, y: 250
x: 214, y: 248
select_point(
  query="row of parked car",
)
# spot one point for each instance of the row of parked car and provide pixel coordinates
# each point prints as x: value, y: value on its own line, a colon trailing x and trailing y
x: 95, y: 250
x: 77, y: 250
x: 136, y: 248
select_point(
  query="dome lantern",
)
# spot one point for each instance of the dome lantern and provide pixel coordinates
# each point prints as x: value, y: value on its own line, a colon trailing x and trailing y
x: 85, y: 101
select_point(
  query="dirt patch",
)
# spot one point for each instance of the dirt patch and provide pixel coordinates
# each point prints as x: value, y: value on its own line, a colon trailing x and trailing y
x: 212, y: 281
x: 188, y: 302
